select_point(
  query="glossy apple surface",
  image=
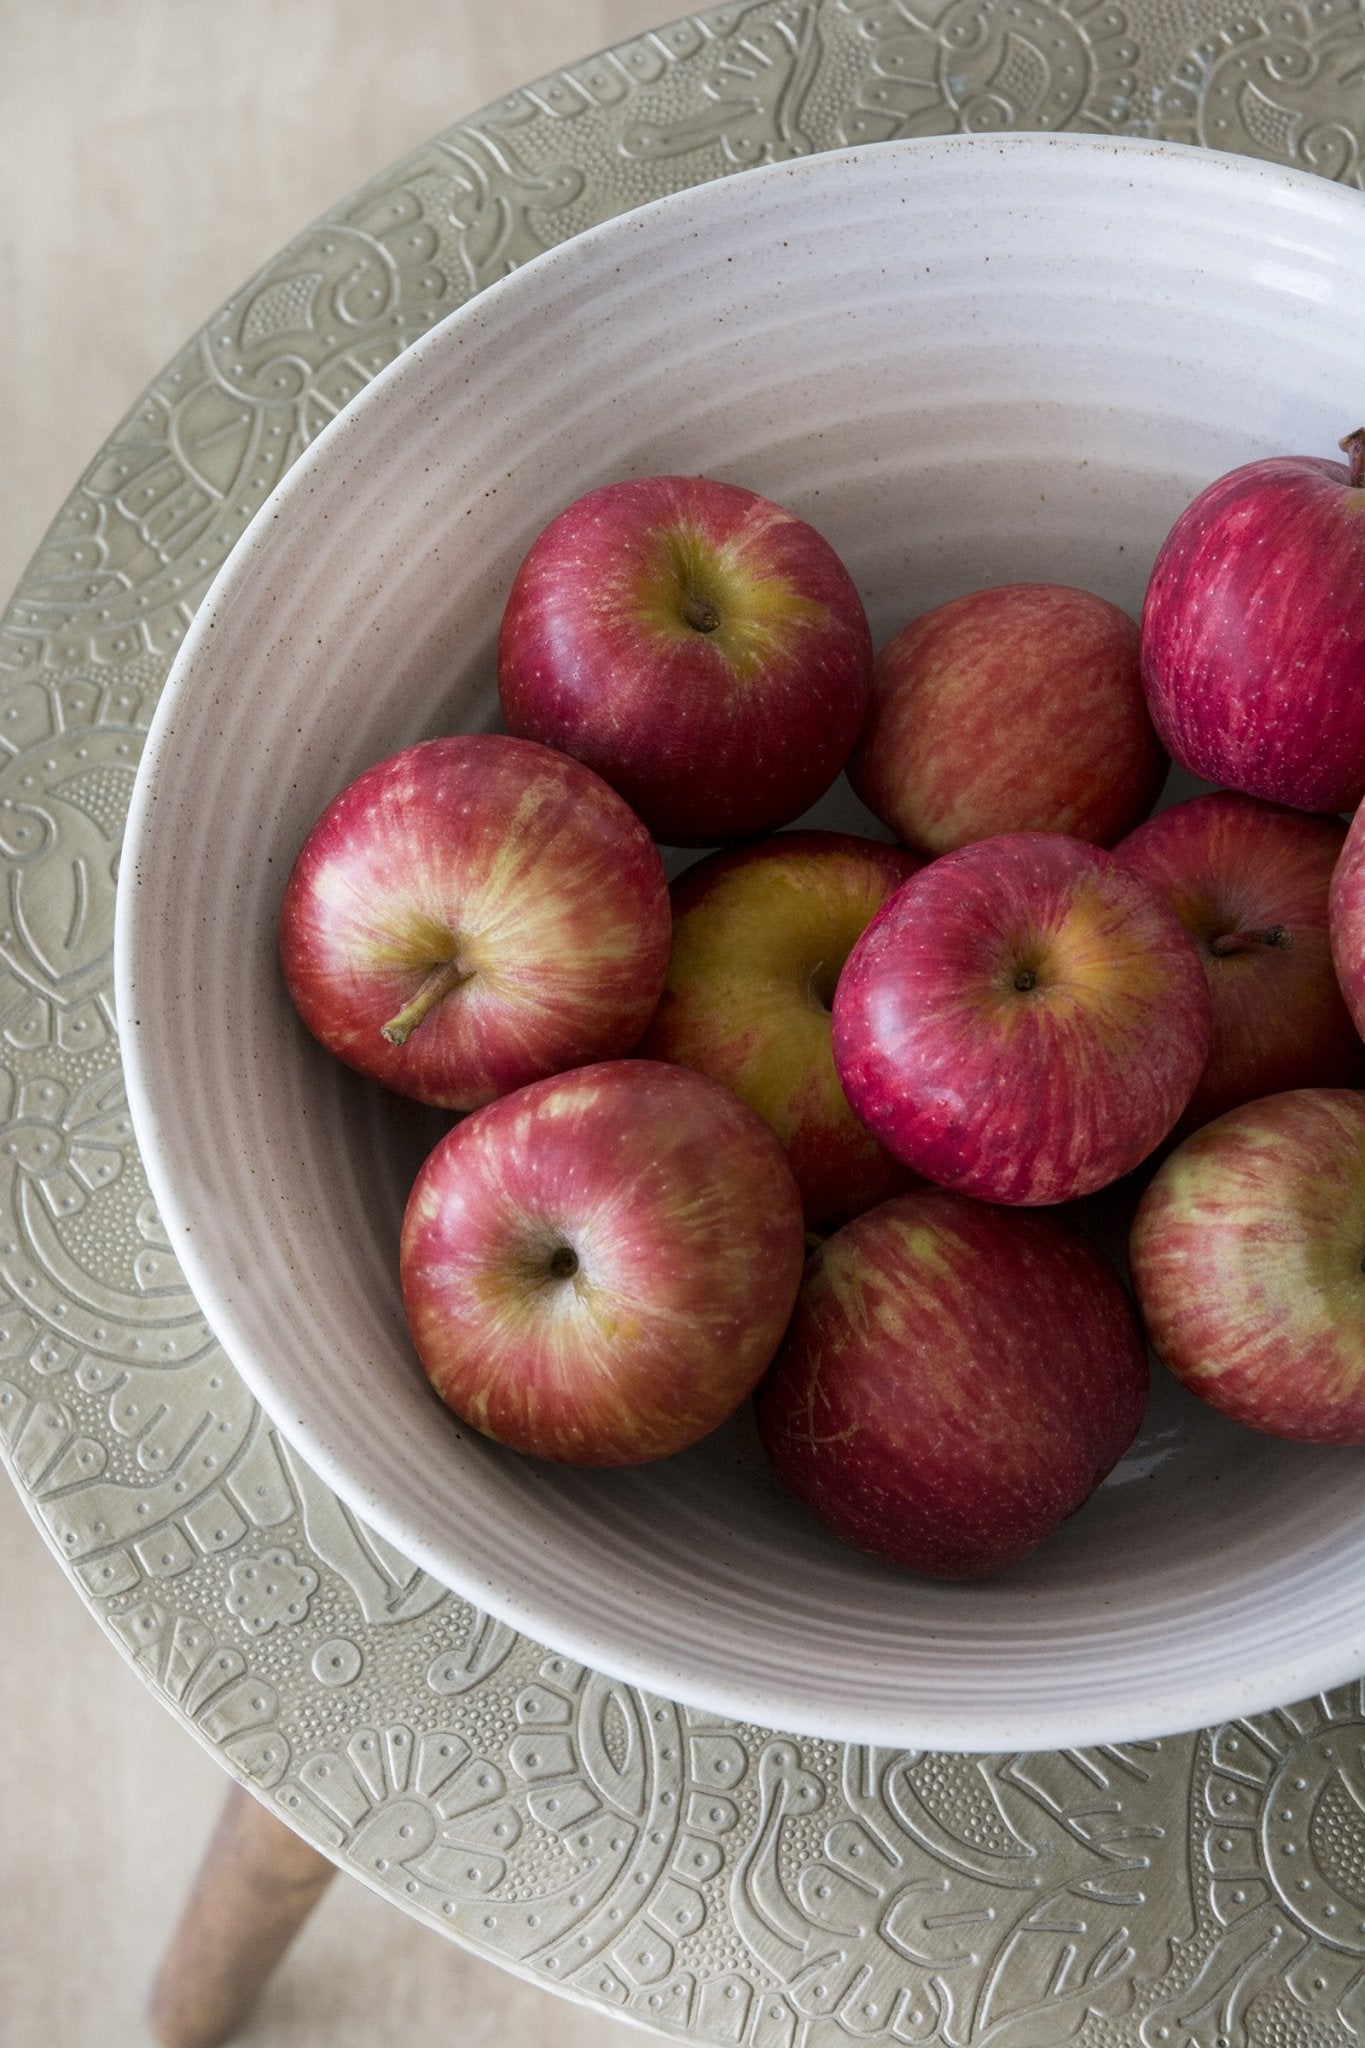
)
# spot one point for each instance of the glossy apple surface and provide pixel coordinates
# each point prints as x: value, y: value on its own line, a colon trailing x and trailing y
x: 701, y: 648
x: 598, y: 1268
x: 1248, y: 1257
x: 1023, y: 1021
x: 1346, y: 919
x: 1253, y: 631
x: 957, y: 1380
x: 1016, y: 709
x: 474, y: 913
x: 1249, y: 881
x: 760, y: 934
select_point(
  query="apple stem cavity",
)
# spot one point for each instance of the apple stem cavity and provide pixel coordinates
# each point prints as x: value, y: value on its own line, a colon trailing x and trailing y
x: 563, y: 1262
x: 821, y: 983
x: 443, y: 980
x: 1352, y: 447
x: 1247, y: 941
x: 1025, y: 978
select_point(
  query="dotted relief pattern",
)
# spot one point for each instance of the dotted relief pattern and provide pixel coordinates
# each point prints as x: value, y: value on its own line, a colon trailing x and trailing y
x: 720, y: 1882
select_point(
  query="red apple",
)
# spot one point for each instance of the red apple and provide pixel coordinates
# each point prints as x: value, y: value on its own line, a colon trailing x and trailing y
x: 471, y: 914
x: 1248, y: 1257
x: 1249, y: 881
x: 1024, y: 1020
x: 760, y: 934
x: 598, y: 1268
x: 1346, y: 919
x: 1018, y: 709
x: 1253, y: 632
x: 704, y: 650
x: 957, y: 1379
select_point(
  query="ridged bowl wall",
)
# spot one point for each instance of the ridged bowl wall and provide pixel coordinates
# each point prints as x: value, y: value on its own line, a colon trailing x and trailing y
x: 967, y: 361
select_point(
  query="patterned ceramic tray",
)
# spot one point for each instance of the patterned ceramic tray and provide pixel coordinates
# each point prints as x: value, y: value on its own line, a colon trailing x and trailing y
x: 714, y: 1880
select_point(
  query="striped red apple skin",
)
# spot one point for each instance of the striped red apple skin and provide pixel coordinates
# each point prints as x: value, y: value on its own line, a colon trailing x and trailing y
x: 1248, y: 1259
x: 1253, y: 631
x: 504, y: 865
x: 1023, y: 1021
x: 957, y: 1379
x: 1250, y: 883
x: 1014, y: 709
x: 1346, y: 919
x: 597, y: 1268
x: 705, y: 650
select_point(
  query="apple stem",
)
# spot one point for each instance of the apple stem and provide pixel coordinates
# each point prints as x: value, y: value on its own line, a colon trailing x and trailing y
x: 700, y: 613
x: 1242, y: 942
x: 1353, y: 448
x: 441, y: 982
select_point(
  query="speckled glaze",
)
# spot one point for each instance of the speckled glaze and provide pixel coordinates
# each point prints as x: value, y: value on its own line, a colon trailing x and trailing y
x: 360, y: 613
x: 698, y: 1873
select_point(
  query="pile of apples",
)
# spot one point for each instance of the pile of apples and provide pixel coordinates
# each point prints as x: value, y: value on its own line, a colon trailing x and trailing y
x: 808, y: 1123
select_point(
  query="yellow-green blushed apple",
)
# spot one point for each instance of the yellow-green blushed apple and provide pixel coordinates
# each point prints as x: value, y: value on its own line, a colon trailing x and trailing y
x: 760, y: 934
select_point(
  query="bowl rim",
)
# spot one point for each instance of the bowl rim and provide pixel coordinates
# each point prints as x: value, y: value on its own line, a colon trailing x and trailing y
x: 1177, y: 1707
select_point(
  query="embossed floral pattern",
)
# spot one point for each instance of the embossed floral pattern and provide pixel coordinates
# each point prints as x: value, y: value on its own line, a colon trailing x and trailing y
x: 270, y: 1591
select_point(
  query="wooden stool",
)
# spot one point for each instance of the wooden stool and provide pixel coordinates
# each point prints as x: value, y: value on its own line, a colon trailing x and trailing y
x: 253, y: 1891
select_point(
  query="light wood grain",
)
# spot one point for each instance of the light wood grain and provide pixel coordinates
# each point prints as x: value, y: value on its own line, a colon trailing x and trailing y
x: 256, y: 1886
x: 152, y: 154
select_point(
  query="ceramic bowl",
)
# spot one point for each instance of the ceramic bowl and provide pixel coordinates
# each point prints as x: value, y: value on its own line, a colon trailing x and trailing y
x: 967, y: 361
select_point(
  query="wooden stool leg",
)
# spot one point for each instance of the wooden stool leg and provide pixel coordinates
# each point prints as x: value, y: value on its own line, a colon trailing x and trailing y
x: 256, y: 1886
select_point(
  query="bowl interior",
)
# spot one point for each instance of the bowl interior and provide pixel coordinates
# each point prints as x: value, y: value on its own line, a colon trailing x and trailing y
x: 967, y: 362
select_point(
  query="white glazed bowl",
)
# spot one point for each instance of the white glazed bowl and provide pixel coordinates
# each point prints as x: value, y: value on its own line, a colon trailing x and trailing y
x: 968, y: 361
